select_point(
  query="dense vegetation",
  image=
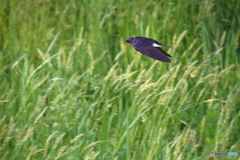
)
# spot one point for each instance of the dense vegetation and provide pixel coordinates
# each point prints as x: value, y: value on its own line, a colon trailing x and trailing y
x: 71, y: 89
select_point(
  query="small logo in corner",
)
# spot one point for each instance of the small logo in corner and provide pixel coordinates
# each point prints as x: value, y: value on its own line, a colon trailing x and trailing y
x: 212, y: 154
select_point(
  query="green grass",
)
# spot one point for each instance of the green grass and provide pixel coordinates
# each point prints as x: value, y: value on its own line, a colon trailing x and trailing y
x: 71, y: 89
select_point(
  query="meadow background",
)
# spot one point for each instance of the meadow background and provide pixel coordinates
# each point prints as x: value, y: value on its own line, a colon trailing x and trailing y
x: 71, y: 89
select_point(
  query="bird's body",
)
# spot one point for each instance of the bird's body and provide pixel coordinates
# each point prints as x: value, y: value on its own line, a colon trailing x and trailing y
x: 149, y: 47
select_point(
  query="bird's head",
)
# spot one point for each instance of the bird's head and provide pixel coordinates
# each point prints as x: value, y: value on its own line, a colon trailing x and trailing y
x: 130, y: 41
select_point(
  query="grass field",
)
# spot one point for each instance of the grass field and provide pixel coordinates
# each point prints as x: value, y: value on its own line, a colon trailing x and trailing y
x: 71, y: 89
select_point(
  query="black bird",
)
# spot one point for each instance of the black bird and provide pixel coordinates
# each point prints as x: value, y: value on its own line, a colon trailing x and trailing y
x: 150, y: 48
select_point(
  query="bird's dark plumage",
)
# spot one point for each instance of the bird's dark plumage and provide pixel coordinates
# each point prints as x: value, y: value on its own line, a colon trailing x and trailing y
x: 149, y: 47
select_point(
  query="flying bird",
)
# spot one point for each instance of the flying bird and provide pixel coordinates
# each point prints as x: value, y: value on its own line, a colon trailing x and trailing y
x: 150, y: 48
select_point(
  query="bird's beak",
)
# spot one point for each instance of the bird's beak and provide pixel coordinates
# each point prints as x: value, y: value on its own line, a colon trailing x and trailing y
x: 126, y: 42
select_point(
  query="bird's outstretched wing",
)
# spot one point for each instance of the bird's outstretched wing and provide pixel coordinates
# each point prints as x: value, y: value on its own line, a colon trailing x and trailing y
x: 155, y: 53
